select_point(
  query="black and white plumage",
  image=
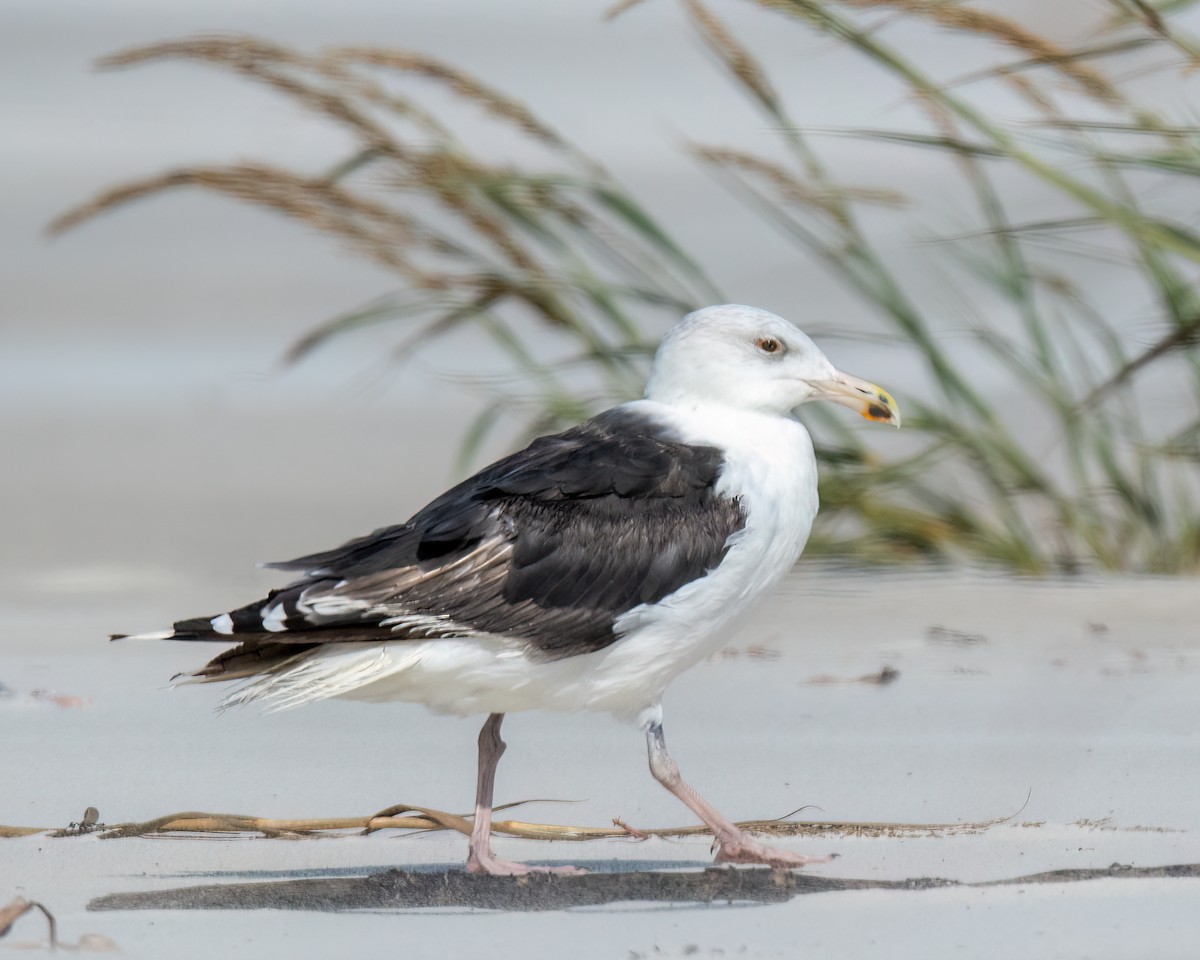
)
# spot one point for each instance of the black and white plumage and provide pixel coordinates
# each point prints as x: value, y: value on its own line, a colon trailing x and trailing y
x: 581, y: 573
x: 510, y: 552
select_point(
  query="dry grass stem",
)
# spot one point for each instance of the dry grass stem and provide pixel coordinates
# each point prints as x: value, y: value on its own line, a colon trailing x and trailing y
x: 827, y: 198
x: 1032, y: 93
x: 268, y: 63
x: 8, y: 833
x: 374, y: 229
x: 556, y: 245
x: 733, y: 54
x: 619, y: 8
x: 462, y: 83
x: 1040, y: 50
x: 427, y: 819
x: 336, y: 71
x: 14, y: 910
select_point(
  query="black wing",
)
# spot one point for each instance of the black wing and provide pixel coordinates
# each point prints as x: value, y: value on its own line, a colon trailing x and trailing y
x: 550, y: 545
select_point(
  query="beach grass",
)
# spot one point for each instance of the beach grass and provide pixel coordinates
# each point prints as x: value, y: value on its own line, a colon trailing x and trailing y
x: 559, y: 245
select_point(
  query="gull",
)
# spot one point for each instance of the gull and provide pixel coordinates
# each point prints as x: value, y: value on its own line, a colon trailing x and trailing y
x: 582, y: 573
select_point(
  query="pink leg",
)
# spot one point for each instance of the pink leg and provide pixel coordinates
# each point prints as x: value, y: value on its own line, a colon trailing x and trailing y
x: 733, y: 846
x: 480, y: 859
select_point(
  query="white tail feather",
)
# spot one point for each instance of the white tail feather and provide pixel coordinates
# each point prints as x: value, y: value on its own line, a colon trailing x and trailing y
x: 329, y: 671
x: 156, y: 635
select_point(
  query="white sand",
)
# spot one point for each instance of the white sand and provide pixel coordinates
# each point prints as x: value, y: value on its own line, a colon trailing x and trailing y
x: 1080, y: 696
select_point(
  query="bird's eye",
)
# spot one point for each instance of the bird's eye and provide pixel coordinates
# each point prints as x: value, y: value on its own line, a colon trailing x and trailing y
x: 769, y: 345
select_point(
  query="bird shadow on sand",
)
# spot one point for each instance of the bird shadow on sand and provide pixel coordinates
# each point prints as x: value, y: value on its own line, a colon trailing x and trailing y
x: 361, y: 871
x: 442, y: 887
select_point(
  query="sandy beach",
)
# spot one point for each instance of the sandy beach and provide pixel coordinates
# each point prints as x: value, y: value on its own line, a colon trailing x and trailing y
x: 1063, y: 710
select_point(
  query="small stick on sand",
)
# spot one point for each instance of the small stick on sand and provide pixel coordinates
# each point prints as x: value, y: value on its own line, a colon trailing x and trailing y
x: 632, y: 831
x: 10, y: 913
x: 418, y: 818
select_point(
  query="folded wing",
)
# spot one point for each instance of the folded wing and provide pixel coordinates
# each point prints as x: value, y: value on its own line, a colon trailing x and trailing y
x: 548, y: 546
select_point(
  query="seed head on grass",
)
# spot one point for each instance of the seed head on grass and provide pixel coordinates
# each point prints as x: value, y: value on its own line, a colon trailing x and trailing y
x: 557, y: 250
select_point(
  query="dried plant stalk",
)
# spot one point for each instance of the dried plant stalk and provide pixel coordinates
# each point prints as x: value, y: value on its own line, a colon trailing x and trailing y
x: 428, y: 819
x: 374, y: 229
x: 462, y: 83
x: 476, y: 240
x: 266, y: 62
x: 735, y: 56
x: 13, y: 911
x: 827, y: 199
x: 968, y: 19
x: 11, y: 832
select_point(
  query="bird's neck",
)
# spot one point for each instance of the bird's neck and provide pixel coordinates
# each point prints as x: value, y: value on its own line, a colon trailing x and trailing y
x: 726, y: 426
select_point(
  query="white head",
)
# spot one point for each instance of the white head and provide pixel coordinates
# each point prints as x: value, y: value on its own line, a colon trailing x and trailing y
x: 750, y: 359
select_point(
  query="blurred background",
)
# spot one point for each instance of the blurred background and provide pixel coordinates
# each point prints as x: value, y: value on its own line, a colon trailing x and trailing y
x: 309, y: 264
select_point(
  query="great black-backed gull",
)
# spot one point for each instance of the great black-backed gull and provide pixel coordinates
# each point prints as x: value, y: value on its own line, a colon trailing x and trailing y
x: 583, y: 573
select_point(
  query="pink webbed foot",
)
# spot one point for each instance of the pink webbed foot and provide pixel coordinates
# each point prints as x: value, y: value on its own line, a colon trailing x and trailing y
x: 479, y: 852
x: 743, y: 849
x: 510, y: 868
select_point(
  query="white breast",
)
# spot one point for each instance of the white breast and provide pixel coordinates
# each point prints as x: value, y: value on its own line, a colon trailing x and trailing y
x: 769, y: 465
